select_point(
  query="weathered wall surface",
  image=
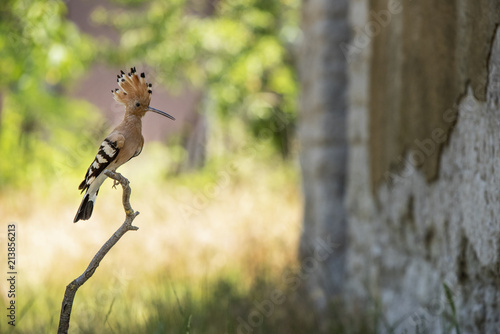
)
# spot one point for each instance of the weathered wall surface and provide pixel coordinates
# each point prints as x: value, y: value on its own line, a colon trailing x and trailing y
x: 434, y: 219
x: 424, y: 54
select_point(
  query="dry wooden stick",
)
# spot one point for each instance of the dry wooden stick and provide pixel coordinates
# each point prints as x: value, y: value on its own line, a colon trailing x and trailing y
x: 72, y: 287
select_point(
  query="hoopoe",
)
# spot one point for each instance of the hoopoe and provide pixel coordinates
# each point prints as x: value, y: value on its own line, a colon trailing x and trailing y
x: 124, y: 142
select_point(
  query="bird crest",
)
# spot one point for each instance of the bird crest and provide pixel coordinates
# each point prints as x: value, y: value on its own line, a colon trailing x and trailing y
x: 133, y: 89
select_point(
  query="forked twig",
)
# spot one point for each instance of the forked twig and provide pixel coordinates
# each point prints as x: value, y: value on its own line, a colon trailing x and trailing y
x: 71, y: 288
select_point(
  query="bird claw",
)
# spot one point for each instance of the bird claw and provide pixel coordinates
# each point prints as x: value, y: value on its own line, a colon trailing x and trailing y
x: 115, y: 183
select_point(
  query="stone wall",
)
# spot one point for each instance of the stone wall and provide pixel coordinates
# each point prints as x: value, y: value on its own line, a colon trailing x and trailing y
x: 423, y: 190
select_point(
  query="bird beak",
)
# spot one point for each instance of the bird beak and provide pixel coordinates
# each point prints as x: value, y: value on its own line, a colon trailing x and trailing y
x: 161, y: 113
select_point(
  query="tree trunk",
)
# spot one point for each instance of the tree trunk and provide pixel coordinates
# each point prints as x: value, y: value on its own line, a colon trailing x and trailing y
x: 323, y: 155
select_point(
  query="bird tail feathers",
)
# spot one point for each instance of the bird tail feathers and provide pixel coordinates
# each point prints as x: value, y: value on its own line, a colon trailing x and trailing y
x: 86, y: 207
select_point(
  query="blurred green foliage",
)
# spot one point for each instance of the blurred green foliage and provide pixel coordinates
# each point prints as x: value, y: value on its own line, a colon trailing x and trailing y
x: 238, y: 52
x: 41, y: 129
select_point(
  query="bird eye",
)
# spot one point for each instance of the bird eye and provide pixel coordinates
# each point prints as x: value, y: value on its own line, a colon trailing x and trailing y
x: 137, y: 104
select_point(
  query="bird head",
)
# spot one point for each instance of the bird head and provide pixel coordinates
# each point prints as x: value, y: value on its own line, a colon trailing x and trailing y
x: 135, y: 94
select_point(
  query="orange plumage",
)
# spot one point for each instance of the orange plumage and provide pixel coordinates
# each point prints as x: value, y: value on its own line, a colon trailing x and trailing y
x: 124, y: 142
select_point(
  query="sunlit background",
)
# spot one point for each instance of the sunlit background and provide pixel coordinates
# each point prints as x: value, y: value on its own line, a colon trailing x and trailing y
x: 218, y: 190
x: 234, y: 236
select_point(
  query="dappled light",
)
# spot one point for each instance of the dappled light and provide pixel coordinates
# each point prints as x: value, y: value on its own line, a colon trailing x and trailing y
x: 218, y: 194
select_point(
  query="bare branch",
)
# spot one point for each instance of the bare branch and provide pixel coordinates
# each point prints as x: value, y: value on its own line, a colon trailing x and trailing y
x: 72, y: 287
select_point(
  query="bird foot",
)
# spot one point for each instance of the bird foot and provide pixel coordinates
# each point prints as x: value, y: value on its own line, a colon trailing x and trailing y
x: 115, y: 183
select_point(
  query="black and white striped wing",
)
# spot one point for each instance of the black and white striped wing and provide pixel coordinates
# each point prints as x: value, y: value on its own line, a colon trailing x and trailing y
x: 108, y: 151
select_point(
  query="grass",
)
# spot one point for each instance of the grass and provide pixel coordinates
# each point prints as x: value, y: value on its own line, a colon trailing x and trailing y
x: 210, y: 255
x: 210, y: 244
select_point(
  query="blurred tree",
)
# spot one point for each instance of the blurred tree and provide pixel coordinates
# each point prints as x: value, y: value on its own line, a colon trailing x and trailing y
x: 323, y: 142
x: 40, y: 52
x: 238, y: 52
